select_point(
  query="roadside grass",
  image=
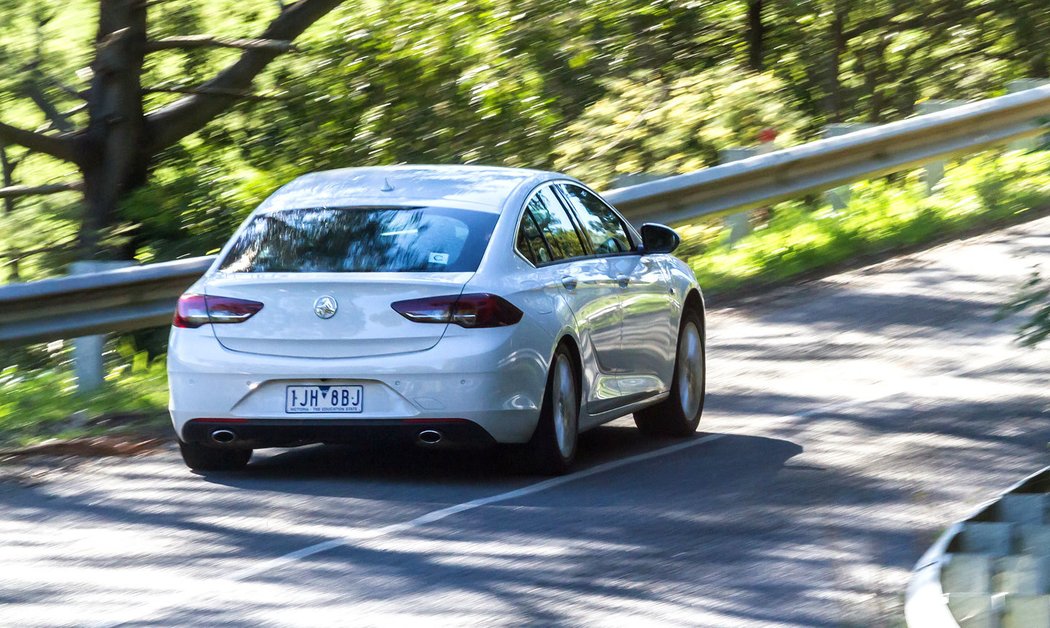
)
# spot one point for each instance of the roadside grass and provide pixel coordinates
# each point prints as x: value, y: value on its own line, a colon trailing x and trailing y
x: 40, y: 403
x: 883, y: 216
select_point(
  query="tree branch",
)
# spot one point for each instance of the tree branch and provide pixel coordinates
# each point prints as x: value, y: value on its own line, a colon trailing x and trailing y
x: 15, y: 191
x: 75, y: 110
x: 173, y: 122
x: 150, y: 3
x: 58, y: 146
x: 36, y: 94
x: 210, y: 41
x: 69, y: 89
x: 30, y: 86
x: 213, y: 91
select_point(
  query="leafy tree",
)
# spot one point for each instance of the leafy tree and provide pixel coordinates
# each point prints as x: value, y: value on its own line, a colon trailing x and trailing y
x: 119, y: 142
x: 1034, y: 300
x: 645, y: 125
x: 532, y: 83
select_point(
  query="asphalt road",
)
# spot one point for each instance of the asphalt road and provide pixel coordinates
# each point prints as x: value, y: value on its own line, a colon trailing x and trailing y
x: 849, y: 420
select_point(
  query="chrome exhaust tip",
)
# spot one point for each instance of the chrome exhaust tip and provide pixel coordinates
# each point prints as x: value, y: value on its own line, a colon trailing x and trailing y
x: 223, y: 437
x: 429, y: 437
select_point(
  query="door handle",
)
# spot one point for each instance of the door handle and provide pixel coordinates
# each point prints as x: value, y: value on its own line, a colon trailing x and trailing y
x: 623, y: 280
x: 569, y: 283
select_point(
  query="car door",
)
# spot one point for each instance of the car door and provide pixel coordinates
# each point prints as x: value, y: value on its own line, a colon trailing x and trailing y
x: 648, y: 331
x: 550, y: 240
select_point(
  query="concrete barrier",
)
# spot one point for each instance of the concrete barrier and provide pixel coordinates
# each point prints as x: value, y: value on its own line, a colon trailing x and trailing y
x: 991, y: 570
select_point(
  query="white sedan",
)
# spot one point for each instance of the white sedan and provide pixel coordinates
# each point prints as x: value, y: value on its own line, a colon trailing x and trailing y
x: 450, y: 306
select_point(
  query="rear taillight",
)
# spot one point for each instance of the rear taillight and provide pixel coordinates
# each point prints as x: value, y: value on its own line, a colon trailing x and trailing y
x: 465, y: 310
x: 194, y: 310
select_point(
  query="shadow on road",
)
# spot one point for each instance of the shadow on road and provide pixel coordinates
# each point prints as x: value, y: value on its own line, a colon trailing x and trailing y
x: 297, y: 469
x: 297, y: 498
x: 643, y: 533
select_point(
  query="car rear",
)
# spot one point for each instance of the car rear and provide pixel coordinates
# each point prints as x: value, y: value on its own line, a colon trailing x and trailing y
x: 335, y: 324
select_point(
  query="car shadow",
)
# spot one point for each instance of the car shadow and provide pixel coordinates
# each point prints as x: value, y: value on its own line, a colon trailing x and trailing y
x: 328, y: 491
x: 337, y: 469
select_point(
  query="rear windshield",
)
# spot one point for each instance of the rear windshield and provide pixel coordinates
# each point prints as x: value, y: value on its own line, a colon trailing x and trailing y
x: 362, y: 240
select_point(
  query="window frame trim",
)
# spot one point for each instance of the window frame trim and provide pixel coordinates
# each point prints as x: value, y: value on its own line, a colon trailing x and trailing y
x: 527, y: 215
x: 584, y: 242
x: 628, y: 229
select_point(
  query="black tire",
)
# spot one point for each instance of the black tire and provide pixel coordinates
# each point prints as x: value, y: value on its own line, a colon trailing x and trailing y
x: 670, y: 417
x: 201, y: 458
x: 552, y: 449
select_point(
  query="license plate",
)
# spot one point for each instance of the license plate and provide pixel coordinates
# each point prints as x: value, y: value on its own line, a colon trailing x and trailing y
x: 321, y: 399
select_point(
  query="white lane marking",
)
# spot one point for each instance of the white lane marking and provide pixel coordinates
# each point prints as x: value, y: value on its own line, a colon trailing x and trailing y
x: 361, y: 535
x: 209, y: 589
x: 438, y: 515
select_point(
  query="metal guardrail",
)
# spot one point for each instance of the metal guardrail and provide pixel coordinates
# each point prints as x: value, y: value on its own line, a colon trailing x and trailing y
x: 823, y: 164
x: 109, y: 301
x: 132, y: 298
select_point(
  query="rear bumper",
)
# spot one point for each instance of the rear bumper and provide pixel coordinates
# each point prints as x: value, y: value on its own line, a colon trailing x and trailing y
x: 493, y: 379
x: 451, y: 433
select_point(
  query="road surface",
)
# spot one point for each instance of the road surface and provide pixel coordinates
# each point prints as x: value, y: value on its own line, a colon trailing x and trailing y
x: 849, y: 420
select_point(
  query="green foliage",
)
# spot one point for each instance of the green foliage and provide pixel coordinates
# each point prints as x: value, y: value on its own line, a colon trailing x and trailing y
x: 43, y: 403
x: 1033, y: 300
x: 882, y: 216
x: 646, y: 125
x: 40, y: 399
x: 600, y: 88
x: 194, y: 204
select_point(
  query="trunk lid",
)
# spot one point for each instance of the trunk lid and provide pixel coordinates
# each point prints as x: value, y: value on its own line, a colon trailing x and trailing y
x: 363, y: 324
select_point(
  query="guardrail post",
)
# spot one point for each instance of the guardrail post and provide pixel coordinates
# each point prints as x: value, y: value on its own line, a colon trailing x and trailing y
x: 935, y: 169
x: 739, y: 224
x: 87, y: 350
x: 839, y: 197
x: 1020, y: 85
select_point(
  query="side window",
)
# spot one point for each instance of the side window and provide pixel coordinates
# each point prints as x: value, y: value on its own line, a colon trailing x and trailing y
x: 601, y: 224
x: 530, y: 243
x: 554, y: 225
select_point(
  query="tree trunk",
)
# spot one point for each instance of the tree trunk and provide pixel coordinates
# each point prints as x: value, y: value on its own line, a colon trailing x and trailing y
x: 114, y: 160
x: 115, y: 151
x: 875, y: 80
x: 756, y: 36
x: 8, y: 171
x: 1038, y: 67
x: 871, y: 64
x: 1031, y: 38
x: 833, y: 102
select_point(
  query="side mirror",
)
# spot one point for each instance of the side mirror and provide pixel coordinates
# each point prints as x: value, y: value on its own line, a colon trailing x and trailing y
x: 659, y: 238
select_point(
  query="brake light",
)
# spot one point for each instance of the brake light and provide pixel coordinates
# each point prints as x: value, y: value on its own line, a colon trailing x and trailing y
x: 194, y: 310
x: 465, y: 310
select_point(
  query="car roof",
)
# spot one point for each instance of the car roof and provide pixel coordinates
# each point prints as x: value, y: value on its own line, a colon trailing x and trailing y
x: 471, y: 187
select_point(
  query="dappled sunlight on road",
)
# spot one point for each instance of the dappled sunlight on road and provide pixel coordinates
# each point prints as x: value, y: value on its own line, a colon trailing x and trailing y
x: 849, y: 420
